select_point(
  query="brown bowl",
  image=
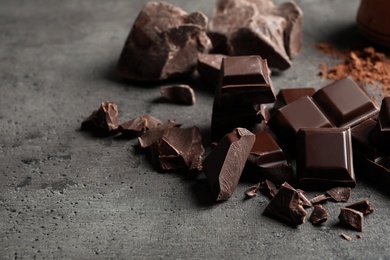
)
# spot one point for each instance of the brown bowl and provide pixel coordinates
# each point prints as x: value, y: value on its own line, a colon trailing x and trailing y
x: 373, y: 20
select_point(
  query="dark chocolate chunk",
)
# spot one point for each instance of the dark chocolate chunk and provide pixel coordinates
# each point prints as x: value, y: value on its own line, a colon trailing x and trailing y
x: 320, y: 199
x: 266, y: 161
x: 305, y: 201
x: 289, y: 95
x: 209, y: 67
x: 358, y: 236
x: 180, y: 148
x: 345, y: 236
x: 324, y: 157
x: 318, y: 215
x: 287, y: 206
x: 244, y: 80
x: 345, y: 103
x: 302, y: 113
x: 181, y: 94
x: 155, y: 134
x: 363, y: 139
x: 269, y: 189
x: 138, y: 125
x: 352, y: 218
x: 363, y: 206
x: 383, y: 127
x: 252, y: 190
x: 223, y: 166
x: 104, y: 120
x: 339, y: 194
x: 163, y: 42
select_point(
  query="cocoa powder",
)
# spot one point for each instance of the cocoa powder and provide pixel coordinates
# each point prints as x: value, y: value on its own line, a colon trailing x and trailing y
x: 365, y: 66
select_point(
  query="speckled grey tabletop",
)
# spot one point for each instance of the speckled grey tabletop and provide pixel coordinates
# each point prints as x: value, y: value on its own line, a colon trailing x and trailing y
x: 66, y: 194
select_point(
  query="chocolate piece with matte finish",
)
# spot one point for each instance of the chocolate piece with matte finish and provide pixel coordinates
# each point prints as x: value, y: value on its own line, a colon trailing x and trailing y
x: 269, y: 189
x: 339, y: 194
x: 289, y: 95
x: 252, y: 191
x: 180, y: 148
x: 104, y: 120
x: 181, y: 94
x: 363, y: 139
x: 209, y: 67
x: 324, y: 157
x: 287, y: 206
x: 352, y: 218
x: 223, y: 166
x: 302, y: 113
x: 138, y: 125
x: 318, y: 215
x: 164, y: 42
x: 363, y: 206
x: 244, y: 80
x: 266, y: 161
x: 155, y: 134
x: 345, y: 103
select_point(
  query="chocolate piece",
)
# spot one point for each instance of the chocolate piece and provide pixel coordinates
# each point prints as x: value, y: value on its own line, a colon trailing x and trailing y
x: 363, y: 206
x: 362, y: 139
x: 224, y: 165
x: 269, y: 189
x: 180, y: 148
x: 252, y: 191
x: 351, y: 218
x: 289, y: 95
x: 305, y: 201
x: 181, y: 94
x: 318, y: 215
x: 345, y: 236
x: 358, y: 236
x: 320, y: 199
x: 138, y: 125
x: 376, y: 171
x: 209, y: 67
x: 287, y: 206
x: 155, y: 134
x: 163, y: 42
x: 266, y: 161
x: 302, y: 113
x: 383, y: 128
x: 345, y: 103
x: 324, y: 157
x: 244, y: 80
x: 339, y: 194
x: 104, y: 120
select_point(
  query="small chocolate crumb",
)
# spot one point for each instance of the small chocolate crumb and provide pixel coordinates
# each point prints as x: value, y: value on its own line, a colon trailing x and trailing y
x: 352, y: 218
x: 252, y: 190
x: 358, y: 236
x: 362, y: 206
x: 318, y: 215
x: 180, y: 94
x: 320, y: 199
x: 345, y: 236
x: 339, y: 194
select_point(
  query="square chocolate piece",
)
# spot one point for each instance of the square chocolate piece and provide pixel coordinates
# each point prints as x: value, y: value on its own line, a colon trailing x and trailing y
x: 289, y: 95
x: 244, y: 80
x: 345, y: 103
x: 324, y: 157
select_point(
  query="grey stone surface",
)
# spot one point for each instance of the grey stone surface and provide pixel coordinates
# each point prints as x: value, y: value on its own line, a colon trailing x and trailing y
x: 67, y: 194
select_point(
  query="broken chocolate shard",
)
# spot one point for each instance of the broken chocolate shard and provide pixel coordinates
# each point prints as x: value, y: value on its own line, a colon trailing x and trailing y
x: 181, y: 94
x: 138, y: 126
x: 305, y: 201
x: 324, y: 157
x: 223, y: 166
x: 252, y: 190
x: 363, y: 206
x: 104, y: 120
x: 346, y: 237
x: 180, y: 148
x: 339, y: 194
x: 209, y: 67
x: 352, y: 218
x: 287, y: 206
x: 318, y: 215
x: 320, y: 199
x: 269, y: 189
x: 164, y: 42
x: 153, y: 135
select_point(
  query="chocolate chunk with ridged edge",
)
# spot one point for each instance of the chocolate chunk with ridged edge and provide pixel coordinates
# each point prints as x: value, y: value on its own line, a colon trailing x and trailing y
x: 363, y: 206
x: 103, y: 120
x: 352, y: 218
x: 155, y: 134
x: 287, y: 206
x: 223, y: 166
x: 318, y: 215
x: 180, y: 94
x: 164, y: 42
x: 138, y: 126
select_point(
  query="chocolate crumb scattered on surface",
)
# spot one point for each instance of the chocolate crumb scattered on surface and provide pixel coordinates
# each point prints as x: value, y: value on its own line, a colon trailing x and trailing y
x: 346, y: 237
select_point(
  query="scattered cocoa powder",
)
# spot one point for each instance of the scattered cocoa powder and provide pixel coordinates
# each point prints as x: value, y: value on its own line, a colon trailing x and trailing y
x: 365, y: 66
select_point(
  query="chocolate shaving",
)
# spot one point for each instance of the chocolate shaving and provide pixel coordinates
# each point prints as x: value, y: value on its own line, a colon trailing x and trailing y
x: 339, y: 194
x: 181, y: 94
x: 345, y: 236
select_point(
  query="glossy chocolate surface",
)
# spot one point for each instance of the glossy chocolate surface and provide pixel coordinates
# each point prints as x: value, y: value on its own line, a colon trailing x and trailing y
x: 363, y: 139
x: 324, y: 157
x: 209, y: 67
x: 289, y: 95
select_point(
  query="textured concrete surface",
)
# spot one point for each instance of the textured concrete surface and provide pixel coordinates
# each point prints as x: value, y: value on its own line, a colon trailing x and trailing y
x: 67, y: 194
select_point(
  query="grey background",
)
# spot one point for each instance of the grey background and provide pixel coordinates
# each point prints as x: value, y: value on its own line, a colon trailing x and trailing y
x: 67, y: 194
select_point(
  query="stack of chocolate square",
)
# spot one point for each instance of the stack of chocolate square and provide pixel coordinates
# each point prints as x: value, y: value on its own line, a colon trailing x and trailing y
x: 244, y: 85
